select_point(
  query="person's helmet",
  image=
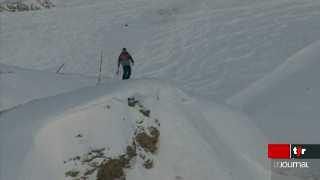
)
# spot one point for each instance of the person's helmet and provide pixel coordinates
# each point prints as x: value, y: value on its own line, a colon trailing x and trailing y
x: 124, y: 49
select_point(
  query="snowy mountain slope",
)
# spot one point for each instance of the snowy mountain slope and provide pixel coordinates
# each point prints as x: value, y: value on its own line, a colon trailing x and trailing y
x: 18, y: 86
x: 205, y: 50
x: 286, y: 101
x: 195, y: 142
x: 233, y: 48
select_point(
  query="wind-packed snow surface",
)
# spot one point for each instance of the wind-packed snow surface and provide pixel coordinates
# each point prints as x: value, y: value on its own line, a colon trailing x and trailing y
x: 19, y: 86
x: 257, y: 56
x: 284, y: 104
x: 204, y: 49
x: 286, y: 101
x: 195, y: 139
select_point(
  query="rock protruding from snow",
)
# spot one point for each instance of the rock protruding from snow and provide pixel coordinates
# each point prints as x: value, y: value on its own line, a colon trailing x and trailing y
x: 142, y: 148
x: 197, y: 139
x: 19, y: 5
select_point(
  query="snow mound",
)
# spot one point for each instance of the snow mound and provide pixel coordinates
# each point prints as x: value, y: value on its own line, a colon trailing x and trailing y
x: 198, y: 139
x: 18, y: 86
x: 286, y: 101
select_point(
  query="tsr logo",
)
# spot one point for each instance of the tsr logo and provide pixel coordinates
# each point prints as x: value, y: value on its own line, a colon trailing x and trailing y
x: 298, y: 151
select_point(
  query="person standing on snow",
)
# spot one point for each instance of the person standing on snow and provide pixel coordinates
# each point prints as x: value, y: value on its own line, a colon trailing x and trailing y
x: 125, y: 59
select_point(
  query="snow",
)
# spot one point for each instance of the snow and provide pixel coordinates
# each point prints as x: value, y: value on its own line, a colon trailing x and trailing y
x: 46, y: 137
x: 223, y: 77
x: 285, y: 101
x: 234, y: 47
x: 19, y: 86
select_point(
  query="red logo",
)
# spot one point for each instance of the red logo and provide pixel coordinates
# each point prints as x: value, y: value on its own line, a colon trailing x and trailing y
x: 279, y: 151
x: 299, y: 151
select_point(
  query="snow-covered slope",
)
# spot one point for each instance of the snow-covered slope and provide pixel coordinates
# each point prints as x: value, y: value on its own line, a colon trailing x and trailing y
x: 206, y: 50
x: 18, y: 86
x: 210, y: 49
x: 195, y: 138
x: 285, y: 103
